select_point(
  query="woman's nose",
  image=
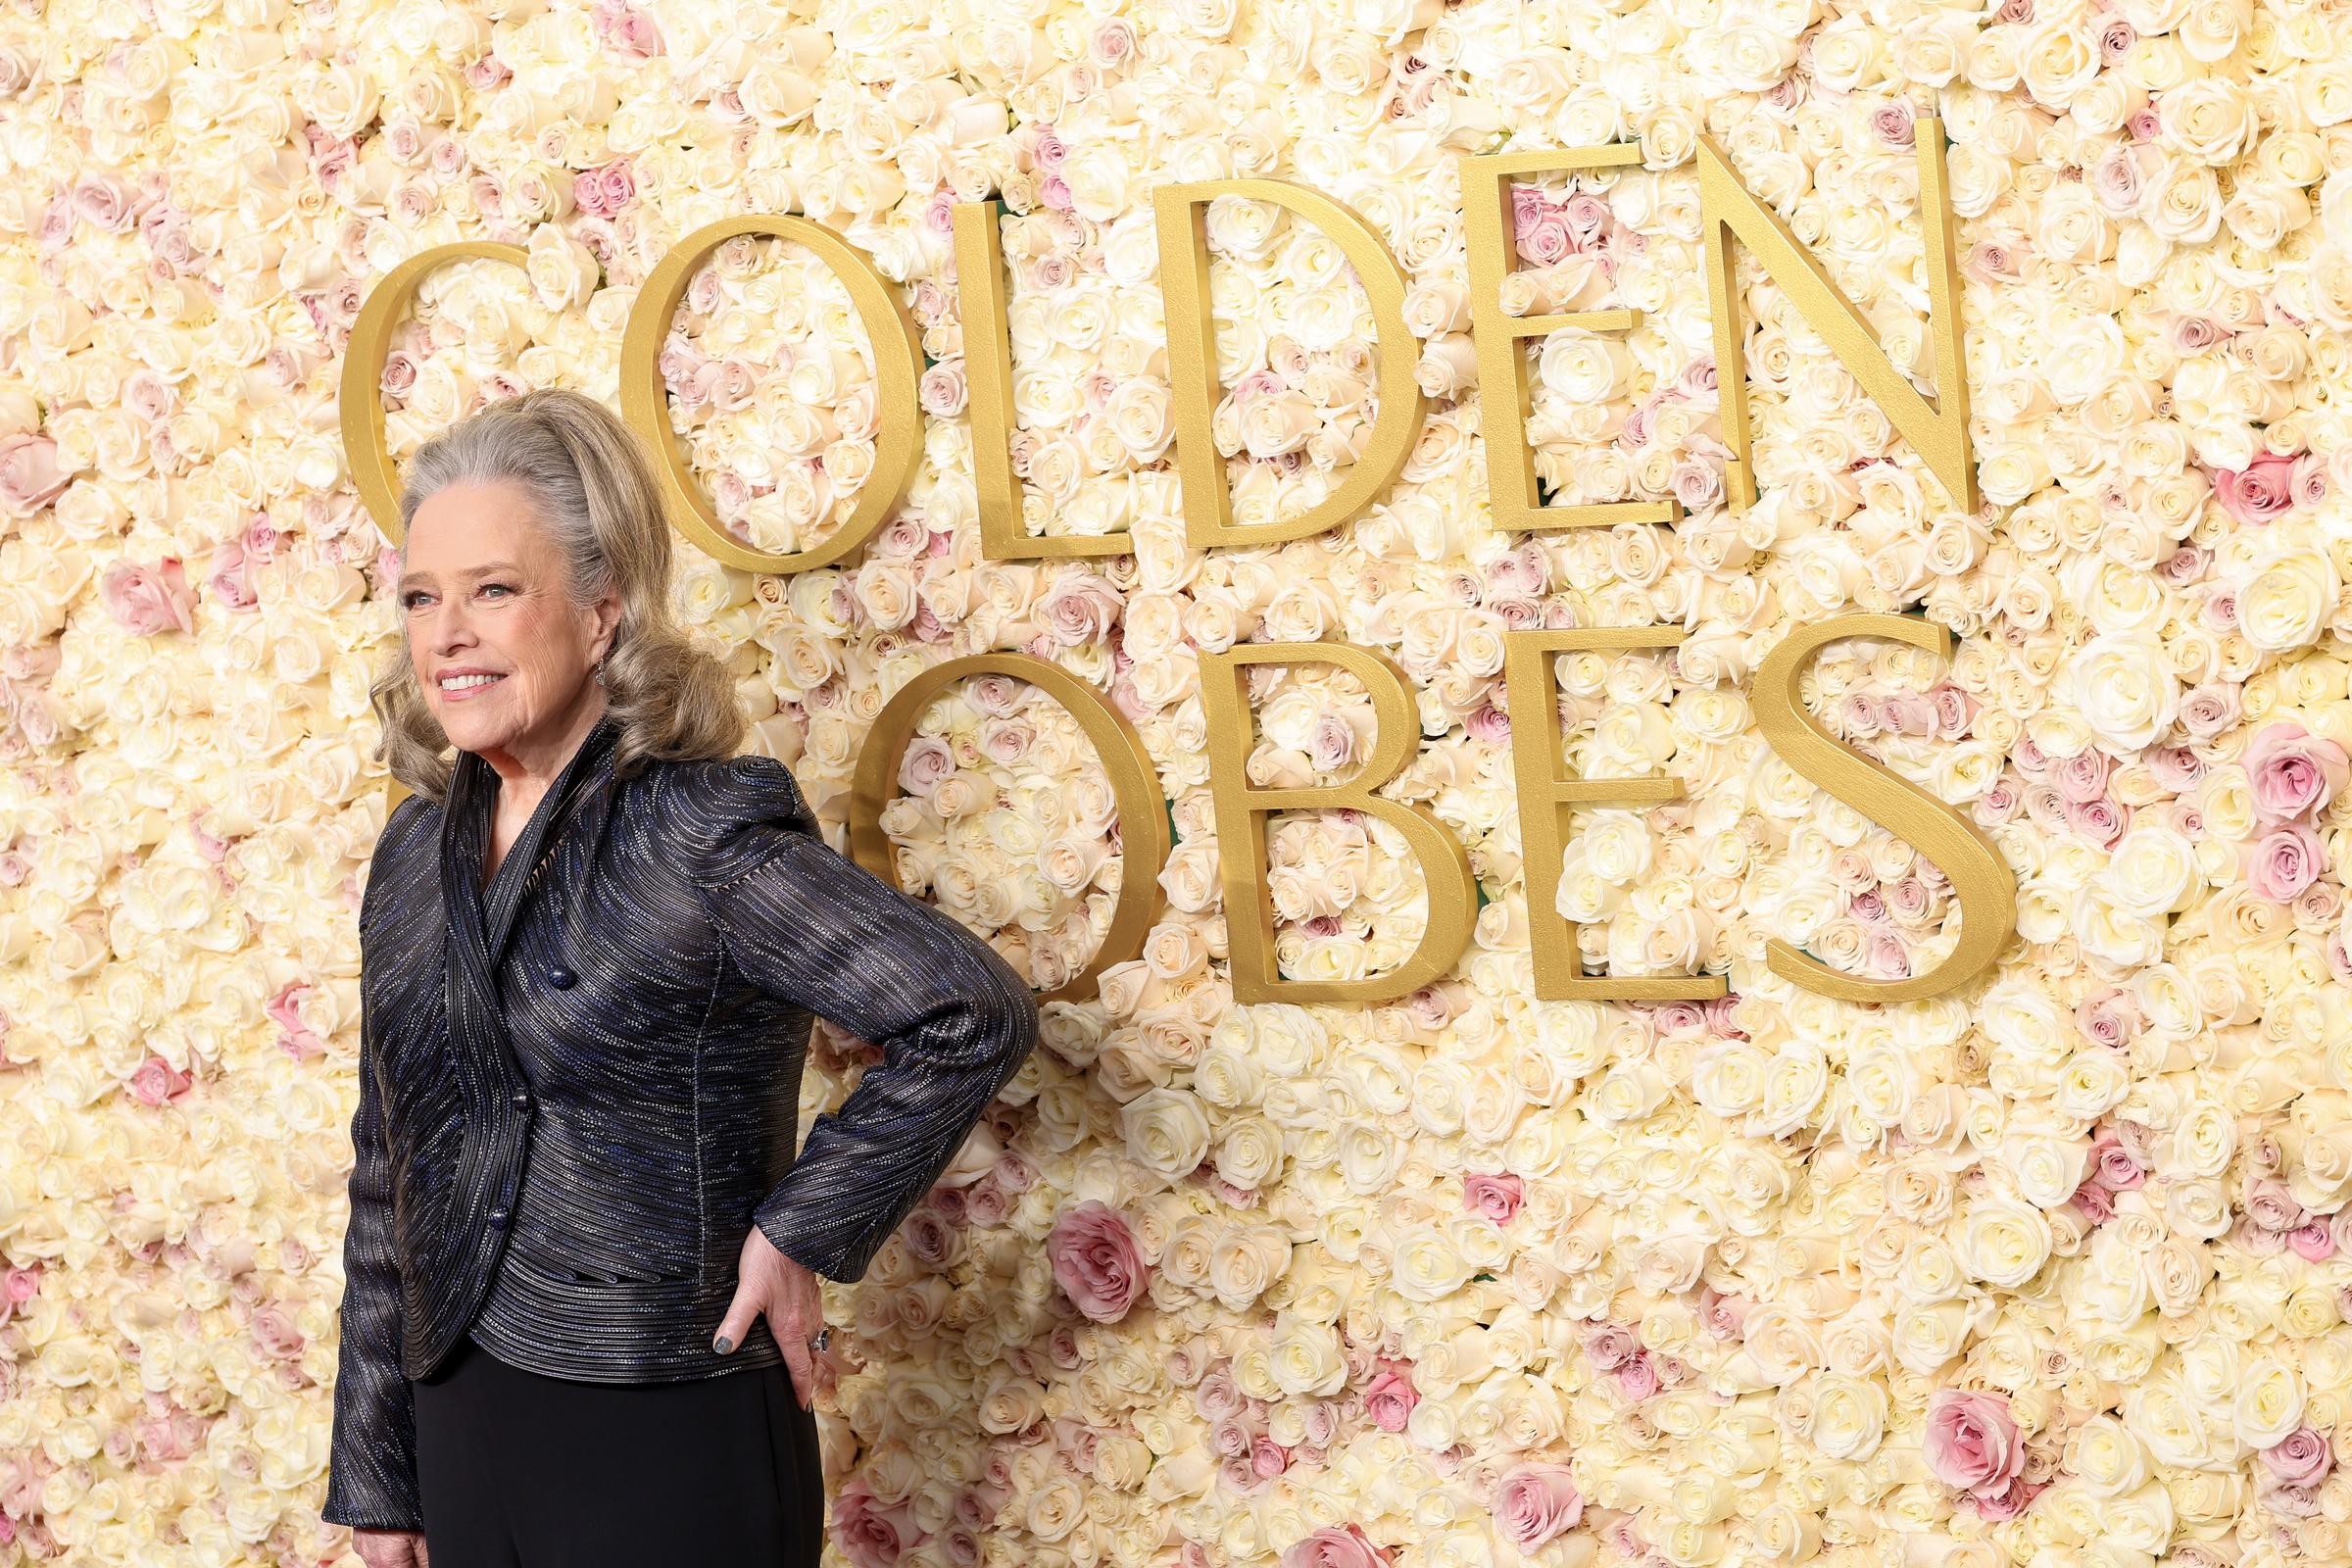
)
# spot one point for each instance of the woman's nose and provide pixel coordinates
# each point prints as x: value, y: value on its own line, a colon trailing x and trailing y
x: 449, y: 629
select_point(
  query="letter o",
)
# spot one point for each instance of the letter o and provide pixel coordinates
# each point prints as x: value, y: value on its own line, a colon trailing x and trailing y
x: 1144, y: 836
x: 898, y: 367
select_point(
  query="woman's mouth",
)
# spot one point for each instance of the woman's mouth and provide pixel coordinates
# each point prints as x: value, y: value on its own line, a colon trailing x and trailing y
x: 462, y: 688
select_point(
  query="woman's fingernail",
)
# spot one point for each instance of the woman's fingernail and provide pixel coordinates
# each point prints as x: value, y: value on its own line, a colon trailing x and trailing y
x: 722, y: 1344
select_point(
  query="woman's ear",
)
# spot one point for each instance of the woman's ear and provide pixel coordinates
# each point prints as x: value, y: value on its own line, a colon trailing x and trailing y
x: 607, y: 624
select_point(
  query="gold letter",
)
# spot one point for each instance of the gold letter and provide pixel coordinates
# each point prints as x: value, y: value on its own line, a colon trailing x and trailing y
x: 1982, y: 881
x: 1503, y: 392
x: 1144, y: 831
x: 360, y: 411
x: 1182, y: 220
x: 898, y: 367
x: 984, y: 304
x: 1937, y: 430
x: 1241, y: 810
x: 1544, y: 797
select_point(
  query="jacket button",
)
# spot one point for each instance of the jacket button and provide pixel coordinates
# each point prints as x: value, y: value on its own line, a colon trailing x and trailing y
x: 522, y: 1099
x: 498, y: 1219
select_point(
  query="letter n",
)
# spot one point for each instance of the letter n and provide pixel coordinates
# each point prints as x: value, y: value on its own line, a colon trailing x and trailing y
x: 1937, y: 430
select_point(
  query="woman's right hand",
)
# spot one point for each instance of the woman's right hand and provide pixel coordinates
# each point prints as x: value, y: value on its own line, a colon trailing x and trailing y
x: 390, y: 1549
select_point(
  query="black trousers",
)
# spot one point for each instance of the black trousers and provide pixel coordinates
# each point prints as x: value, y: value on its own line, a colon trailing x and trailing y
x: 518, y: 1470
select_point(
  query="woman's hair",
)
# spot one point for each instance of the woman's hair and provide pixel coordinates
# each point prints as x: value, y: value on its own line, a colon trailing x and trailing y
x: 593, y: 489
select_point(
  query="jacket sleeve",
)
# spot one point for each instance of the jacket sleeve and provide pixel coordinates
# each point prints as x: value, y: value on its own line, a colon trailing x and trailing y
x: 371, y: 1469
x: 955, y: 1022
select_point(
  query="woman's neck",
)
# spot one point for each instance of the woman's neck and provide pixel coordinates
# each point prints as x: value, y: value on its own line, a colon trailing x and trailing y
x: 532, y: 761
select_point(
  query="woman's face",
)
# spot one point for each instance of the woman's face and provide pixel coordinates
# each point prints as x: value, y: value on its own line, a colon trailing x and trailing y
x: 482, y: 595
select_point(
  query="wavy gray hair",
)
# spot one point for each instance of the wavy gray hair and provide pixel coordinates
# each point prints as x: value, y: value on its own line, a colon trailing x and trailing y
x: 593, y: 489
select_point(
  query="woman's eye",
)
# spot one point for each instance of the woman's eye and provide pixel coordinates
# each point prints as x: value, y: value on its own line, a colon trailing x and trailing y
x: 496, y: 587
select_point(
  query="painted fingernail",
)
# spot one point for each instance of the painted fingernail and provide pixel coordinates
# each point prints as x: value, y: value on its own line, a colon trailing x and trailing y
x: 722, y: 1344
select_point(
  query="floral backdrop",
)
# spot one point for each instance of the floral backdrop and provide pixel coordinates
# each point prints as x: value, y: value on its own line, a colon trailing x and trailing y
x: 2051, y: 1270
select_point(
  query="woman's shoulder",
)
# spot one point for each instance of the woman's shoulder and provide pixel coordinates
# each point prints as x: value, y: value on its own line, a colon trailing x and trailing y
x: 416, y: 820
x: 404, y: 851
x: 712, y: 805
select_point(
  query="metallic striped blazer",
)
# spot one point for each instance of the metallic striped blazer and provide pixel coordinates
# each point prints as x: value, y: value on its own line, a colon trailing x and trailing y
x: 580, y: 1086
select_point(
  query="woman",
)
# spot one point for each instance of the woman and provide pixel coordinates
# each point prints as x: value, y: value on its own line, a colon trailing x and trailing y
x: 582, y: 1259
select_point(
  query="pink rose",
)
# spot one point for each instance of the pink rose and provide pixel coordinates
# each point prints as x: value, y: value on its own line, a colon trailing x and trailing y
x: 1498, y: 1198
x: 1335, y: 1547
x: 2109, y: 1019
x: 1390, y: 1398
x: 2312, y: 1241
x: 1545, y: 239
x: 605, y: 190
x: 298, y: 1040
x: 2008, y: 1501
x: 2113, y: 1165
x: 1638, y: 1379
x: 1610, y: 1345
x: 232, y: 578
x: 148, y: 600
x: 1722, y: 1314
x: 1268, y: 1458
x: 2288, y: 858
x: 157, y: 1081
x: 170, y: 1433
x: 2272, y: 1206
x: 1537, y: 1503
x: 870, y: 1534
x: 274, y: 1332
x: 1095, y: 1260
x: 2259, y: 491
x: 926, y: 760
x: 29, y: 477
x: 1971, y: 1442
x: 2301, y: 1458
x: 625, y: 30
x: 2293, y: 771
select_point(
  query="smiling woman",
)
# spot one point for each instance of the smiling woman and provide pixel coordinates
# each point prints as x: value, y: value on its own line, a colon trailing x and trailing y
x: 496, y: 640
x: 522, y: 566
x: 582, y: 1259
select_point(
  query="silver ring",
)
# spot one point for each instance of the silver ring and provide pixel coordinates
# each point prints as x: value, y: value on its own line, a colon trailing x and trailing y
x: 824, y: 1337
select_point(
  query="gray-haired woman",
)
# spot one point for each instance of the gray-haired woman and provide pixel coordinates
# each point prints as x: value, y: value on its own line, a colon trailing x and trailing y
x: 582, y: 1259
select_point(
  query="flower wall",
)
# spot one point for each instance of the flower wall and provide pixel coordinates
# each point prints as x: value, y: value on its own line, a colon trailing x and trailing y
x: 2051, y: 1270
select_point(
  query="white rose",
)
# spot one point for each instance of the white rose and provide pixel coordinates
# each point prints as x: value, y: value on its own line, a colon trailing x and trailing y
x: 1428, y: 1267
x: 2106, y: 1458
x: 1849, y: 1416
x: 2289, y: 602
x: 1166, y: 1132
x: 2124, y: 690
x: 2268, y: 1404
x: 2004, y: 1241
x: 2151, y: 870
x: 2169, y: 1421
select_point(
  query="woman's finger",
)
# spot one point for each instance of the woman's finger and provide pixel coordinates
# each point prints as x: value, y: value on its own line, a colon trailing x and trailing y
x: 738, y: 1321
x: 797, y: 1359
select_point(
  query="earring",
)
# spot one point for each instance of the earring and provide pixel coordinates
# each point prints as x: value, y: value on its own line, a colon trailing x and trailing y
x: 597, y: 673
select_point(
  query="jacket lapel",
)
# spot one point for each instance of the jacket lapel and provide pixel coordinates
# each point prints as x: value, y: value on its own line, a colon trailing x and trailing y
x: 581, y: 779
x: 481, y: 921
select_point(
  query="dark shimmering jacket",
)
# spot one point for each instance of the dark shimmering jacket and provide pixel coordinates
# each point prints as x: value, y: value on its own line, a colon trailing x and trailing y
x: 568, y: 1173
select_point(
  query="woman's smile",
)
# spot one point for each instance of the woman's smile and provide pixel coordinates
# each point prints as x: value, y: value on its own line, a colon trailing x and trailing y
x: 463, y: 685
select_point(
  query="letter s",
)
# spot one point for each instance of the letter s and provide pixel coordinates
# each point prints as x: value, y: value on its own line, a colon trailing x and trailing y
x: 1982, y: 881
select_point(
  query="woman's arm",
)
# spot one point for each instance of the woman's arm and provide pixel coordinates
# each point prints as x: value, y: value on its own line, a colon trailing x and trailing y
x: 371, y: 1470
x: 953, y: 1020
